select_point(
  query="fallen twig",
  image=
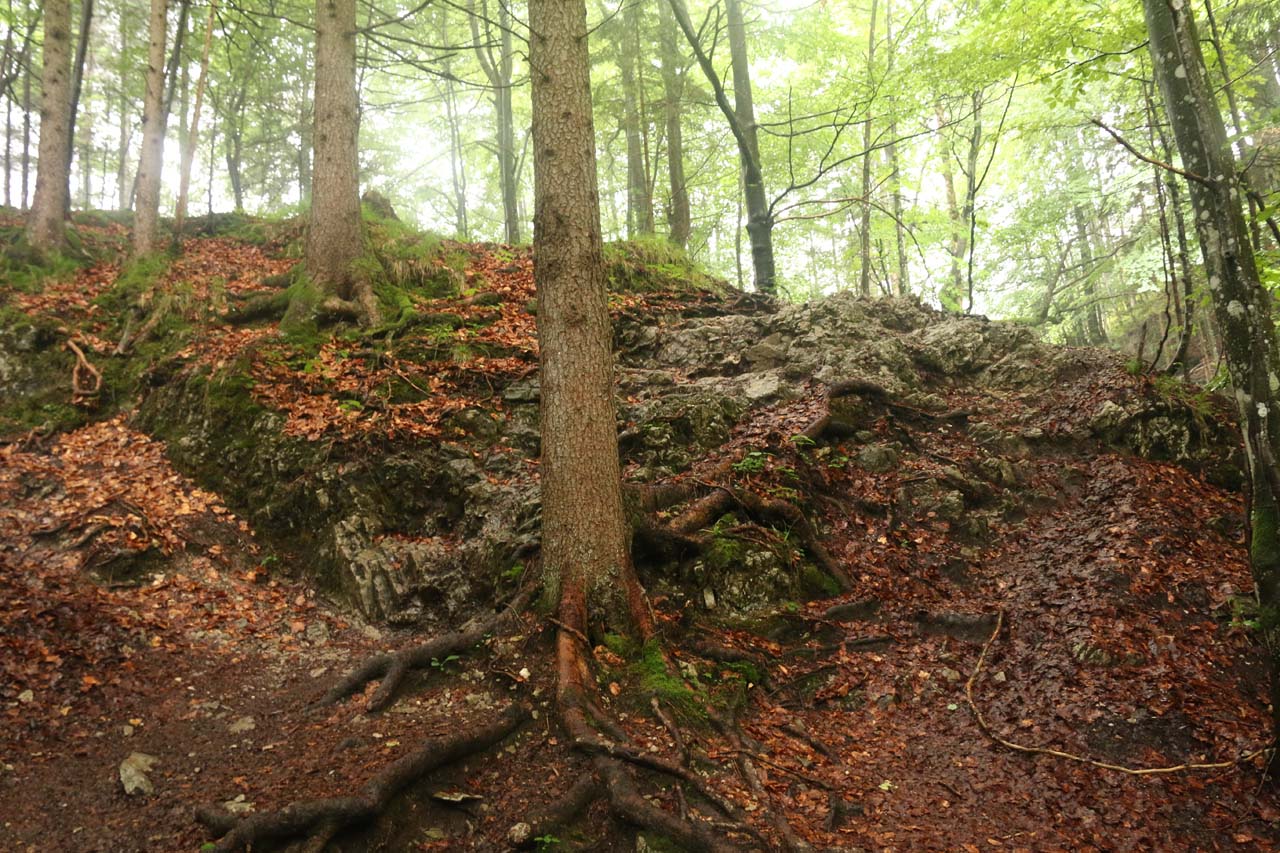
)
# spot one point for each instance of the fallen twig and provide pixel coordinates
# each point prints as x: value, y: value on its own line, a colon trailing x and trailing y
x: 1041, y: 750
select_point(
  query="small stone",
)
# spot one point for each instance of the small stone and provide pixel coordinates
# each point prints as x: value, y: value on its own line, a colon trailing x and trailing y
x: 709, y: 598
x: 318, y: 671
x: 1000, y: 677
x: 126, y: 730
x: 242, y: 725
x: 950, y: 674
x: 26, y: 697
x: 133, y: 773
x: 519, y: 834
x: 238, y: 806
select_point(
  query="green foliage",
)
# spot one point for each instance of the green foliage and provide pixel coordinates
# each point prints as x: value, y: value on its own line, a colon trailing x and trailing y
x: 753, y: 463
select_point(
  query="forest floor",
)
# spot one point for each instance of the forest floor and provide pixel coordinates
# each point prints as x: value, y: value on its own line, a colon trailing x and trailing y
x: 138, y: 614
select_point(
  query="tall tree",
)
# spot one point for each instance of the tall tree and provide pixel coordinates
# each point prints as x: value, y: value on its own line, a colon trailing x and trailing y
x: 498, y: 70
x: 1241, y: 306
x: 742, y: 122
x: 146, y: 222
x: 77, y: 81
x: 585, y: 538
x: 193, y: 132
x: 334, y: 236
x: 678, y: 213
x: 45, y: 230
x: 864, y: 232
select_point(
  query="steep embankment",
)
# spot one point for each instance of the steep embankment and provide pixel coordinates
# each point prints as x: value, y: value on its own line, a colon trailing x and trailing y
x: 850, y: 494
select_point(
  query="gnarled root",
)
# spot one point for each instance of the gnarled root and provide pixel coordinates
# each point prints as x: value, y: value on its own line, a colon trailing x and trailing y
x: 611, y: 754
x: 326, y: 817
x: 392, y: 667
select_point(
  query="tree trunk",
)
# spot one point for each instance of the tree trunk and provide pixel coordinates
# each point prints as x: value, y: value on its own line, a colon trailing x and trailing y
x: 952, y: 292
x: 45, y: 227
x: 1237, y: 125
x: 146, y: 223
x: 679, y: 218
x: 123, y: 184
x: 639, y: 204
x: 759, y: 217
x: 585, y: 536
x: 26, y: 136
x: 334, y: 235
x: 498, y: 70
x: 864, y: 232
x: 193, y: 132
x: 742, y: 123
x: 1094, y: 333
x: 1242, y: 307
x: 895, y: 173
x: 77, y: 85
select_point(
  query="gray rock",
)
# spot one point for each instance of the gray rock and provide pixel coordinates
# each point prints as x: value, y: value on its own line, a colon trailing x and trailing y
x: 878, y: 458
x: 133, y: 773
x: 242, y: 725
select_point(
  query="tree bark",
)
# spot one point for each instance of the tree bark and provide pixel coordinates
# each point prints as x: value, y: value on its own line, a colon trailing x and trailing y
x: 679, y: 218
x: 1242, y: 307
x: 26, y: 136
x: 123, y: 184
x: 1094, y: 333
x: 585, y: 538
x: 895, y: 173
x: 146, y: 223
x: 45, y: 227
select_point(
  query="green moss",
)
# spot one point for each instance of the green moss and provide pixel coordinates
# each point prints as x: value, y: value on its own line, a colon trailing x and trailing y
x: 136, y: 278
x: 652, y: 676
x: 815, y: 583
x: 26, y: 269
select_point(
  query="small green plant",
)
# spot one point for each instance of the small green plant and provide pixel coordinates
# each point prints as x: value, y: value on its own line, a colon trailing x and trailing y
x: 752, y: 463
x: 802, y: 440
x: 352, y: 406
x: 546, y: 842
x: 514, y: 573
x: 441, y: 663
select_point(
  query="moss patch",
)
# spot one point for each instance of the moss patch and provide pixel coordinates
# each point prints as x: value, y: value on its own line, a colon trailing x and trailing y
x: 654, y: 264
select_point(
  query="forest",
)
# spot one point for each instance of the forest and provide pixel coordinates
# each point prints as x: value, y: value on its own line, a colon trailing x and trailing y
x: 654, y: 425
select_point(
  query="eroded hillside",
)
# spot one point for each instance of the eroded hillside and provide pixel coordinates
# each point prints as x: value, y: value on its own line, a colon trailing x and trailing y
x: 924, y: 562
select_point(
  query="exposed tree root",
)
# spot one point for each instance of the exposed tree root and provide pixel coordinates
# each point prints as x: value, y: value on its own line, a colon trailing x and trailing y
x: 267, y: 307
x: 560, y: 813
x: 86, y: 380
x: 752, y: 778
x: 325, y: 817
x: 583, y: 723
x: 392, y: 667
